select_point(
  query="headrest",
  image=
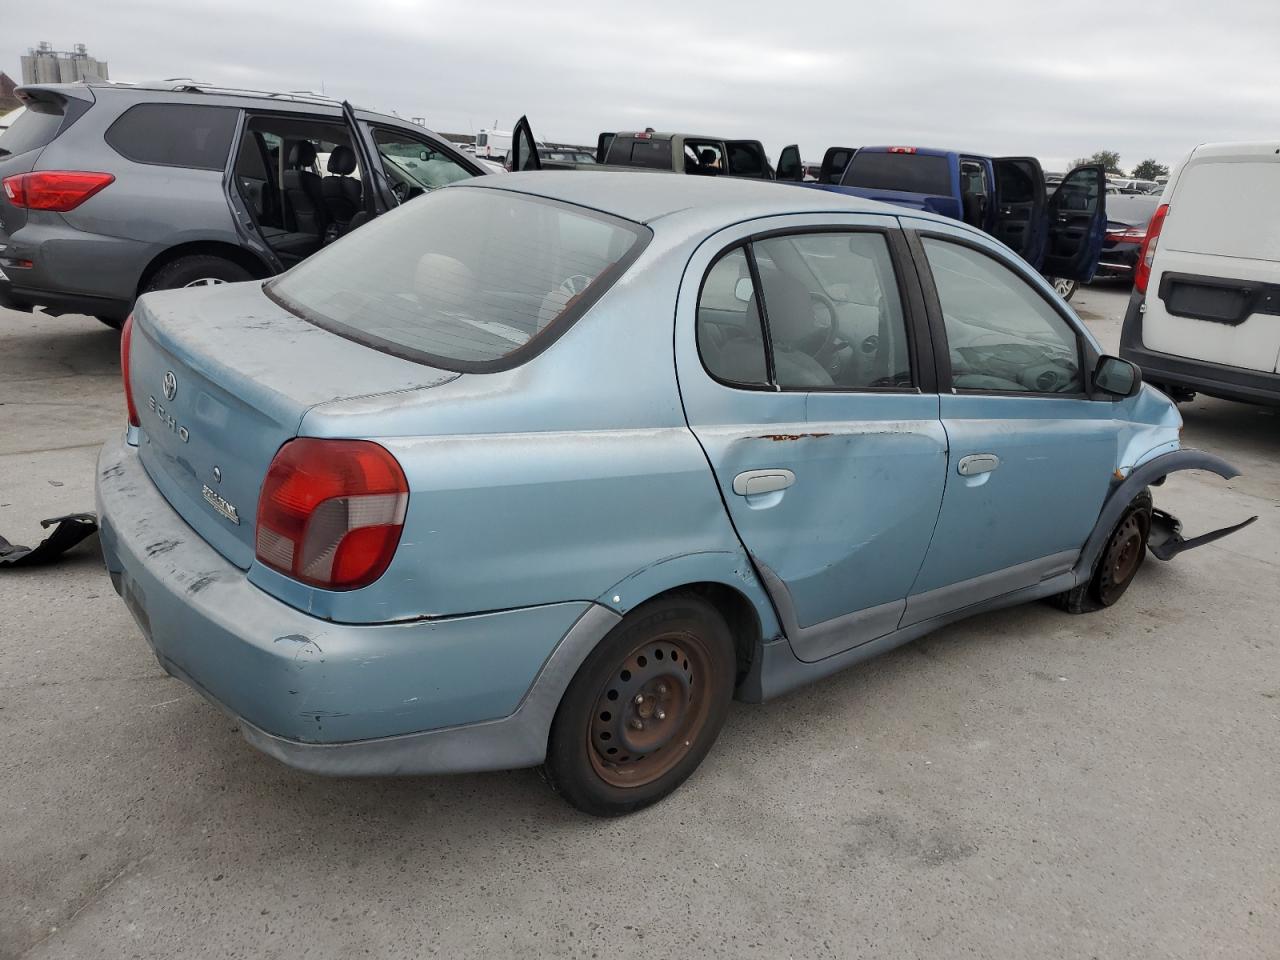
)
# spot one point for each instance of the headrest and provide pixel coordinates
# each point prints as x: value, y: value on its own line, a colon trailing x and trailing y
x: 302, y: 155
x: 342, y: 162
x: 790, y: 306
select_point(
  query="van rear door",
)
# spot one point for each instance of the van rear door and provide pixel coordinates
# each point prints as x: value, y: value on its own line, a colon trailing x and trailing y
x: 1077, y: 224
x: 1214, y: 291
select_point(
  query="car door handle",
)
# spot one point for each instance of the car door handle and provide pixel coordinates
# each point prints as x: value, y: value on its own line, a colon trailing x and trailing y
x: 753, y: 482
x: 977, y: 463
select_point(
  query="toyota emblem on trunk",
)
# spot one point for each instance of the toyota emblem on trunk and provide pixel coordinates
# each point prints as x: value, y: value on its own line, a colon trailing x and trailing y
x: 170, y: 385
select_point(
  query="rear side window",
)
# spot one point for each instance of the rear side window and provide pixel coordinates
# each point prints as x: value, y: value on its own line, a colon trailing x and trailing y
x: 654, y: 154
x: 174, y: 135
x: 36, y: 128
x: 908, y: 172
x: 746, y: 160
x: 467, y: 279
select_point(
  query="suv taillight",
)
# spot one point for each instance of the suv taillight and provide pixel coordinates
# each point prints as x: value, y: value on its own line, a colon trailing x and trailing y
x: 56, y: 190
x: 1142, y: 276
x: 126, y: 341
x: 331, y: 512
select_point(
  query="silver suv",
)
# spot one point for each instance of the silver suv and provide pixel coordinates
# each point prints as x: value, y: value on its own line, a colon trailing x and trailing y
x: 112, y: 190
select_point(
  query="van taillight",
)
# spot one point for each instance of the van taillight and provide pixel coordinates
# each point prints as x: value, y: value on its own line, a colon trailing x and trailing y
x: 56, y: 190
x: 331, y: 511
x: 126, y: 341
x: 1142, y: 276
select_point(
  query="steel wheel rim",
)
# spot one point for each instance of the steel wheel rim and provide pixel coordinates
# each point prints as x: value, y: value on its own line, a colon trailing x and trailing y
x: 1124, y: 556
x: 650, y: 711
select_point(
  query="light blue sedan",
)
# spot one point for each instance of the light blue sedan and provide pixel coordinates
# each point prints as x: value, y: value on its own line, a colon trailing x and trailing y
x: 547, y: 468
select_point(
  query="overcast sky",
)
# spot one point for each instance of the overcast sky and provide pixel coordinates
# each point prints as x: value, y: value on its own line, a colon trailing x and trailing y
x: 1002, y: 77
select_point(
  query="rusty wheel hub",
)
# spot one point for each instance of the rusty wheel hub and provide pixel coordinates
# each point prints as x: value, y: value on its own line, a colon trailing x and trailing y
x: 1123, y: 557
x: 650, y: 711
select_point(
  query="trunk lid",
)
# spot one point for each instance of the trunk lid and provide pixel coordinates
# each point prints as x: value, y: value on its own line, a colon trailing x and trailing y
x: 221, y: 378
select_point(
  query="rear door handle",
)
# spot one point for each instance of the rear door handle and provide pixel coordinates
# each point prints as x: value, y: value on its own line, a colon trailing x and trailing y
x: 977, y: 463
x: 753, y: 482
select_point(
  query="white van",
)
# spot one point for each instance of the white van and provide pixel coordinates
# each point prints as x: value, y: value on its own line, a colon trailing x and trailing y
x: 1205, y: 311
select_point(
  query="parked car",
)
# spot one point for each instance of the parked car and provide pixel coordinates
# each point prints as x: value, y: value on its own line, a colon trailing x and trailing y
x: 430, y: 502
x: 1060, y: 234
x: 111, y: 190
x: 651, y: 151
x: 1127, y: 221
x: 1204, y: 315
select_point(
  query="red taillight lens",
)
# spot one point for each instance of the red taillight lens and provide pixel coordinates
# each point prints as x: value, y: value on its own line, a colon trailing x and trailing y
x: 1142, y: 276
x: 56, y: 190
x: 126, y: 341
x: 1130, y: 235
x: 331, y: 512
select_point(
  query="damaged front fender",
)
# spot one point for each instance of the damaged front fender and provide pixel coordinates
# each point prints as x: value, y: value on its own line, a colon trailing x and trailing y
x: 1166, y: 539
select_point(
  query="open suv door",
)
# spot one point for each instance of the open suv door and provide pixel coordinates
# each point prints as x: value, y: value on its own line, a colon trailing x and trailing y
x: 1019, y: 220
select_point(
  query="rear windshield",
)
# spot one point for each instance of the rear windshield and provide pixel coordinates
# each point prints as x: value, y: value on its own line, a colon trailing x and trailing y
x: 908, y: 172
x: 468, y: 279
x: 1135, y: 211
x: 654, y: 154
x: 35, y: 128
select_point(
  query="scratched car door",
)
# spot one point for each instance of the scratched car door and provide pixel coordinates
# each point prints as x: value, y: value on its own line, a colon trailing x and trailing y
x: 804, y: 384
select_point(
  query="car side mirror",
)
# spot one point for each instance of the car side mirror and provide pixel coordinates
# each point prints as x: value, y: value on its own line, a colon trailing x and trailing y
x: 1116, y: 377
x: 422, y: 155
x: 743, y: 289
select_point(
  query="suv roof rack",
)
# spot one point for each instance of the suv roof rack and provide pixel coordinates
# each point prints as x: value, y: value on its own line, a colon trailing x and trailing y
x: 190, y: 85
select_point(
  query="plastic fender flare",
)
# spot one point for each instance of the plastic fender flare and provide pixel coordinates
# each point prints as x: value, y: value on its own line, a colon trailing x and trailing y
x: 1123, y: 493
x: 729, y: 568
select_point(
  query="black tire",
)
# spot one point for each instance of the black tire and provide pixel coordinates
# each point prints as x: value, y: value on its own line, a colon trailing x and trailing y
x: 115, y: 323
x: 1118, y: 564
x: 192, y: 270
x: 669, y: 666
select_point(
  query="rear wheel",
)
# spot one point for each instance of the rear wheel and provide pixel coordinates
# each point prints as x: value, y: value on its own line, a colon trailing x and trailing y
x: 644, y: 709
x: 197, y: 270
x: 1121, y: 559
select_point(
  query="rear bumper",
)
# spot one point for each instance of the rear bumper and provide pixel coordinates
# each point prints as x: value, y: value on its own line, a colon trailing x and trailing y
x: 424, y: 696
x: 1214, y: 379
x: 1119, y: 260
x: 71, y: 270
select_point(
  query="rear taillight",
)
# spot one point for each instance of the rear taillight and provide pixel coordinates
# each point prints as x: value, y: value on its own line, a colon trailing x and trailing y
x: 1128, y: 235
x: 331, y: 512
x: 126, y: 341
x: 56, y: 190
x: 1142, y: 276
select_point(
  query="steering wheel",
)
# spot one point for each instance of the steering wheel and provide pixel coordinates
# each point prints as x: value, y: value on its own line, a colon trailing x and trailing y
x: 400, y: 189
x: 819, y: 342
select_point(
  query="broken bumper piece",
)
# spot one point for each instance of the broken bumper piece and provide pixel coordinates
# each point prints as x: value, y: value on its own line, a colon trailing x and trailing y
x: 1166, y: 541
x: 70, y: 530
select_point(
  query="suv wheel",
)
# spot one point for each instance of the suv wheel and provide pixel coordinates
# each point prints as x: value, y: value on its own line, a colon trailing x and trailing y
x: 195, y: 271
x: 644, y: 709
x: 1121, y: 558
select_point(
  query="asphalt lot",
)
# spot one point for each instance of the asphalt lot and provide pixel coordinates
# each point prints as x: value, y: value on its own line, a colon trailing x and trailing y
x: 1025, y: 784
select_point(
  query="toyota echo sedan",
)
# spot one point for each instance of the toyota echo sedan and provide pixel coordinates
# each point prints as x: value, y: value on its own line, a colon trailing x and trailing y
x: 548, y: 468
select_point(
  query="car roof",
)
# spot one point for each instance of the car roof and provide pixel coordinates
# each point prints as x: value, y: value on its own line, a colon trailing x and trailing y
x: 190, y: 91
x: 644, y: 196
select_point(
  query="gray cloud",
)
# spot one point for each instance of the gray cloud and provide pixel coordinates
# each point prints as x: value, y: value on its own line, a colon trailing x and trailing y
x: 1003, y: 77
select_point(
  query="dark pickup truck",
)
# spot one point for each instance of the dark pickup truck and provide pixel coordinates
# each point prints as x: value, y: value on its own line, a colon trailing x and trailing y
x: 650, y: 150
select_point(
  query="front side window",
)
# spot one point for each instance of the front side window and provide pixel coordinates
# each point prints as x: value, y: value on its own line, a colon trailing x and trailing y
x: 832, y: 312
x: 1001, y: 333
x: 468, y: 279
x: 416, y: 166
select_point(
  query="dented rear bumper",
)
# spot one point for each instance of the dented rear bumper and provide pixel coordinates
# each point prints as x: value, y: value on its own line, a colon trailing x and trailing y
x: 423, y: 696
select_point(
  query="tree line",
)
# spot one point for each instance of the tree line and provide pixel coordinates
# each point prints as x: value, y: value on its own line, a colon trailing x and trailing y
x: 1110, y: 161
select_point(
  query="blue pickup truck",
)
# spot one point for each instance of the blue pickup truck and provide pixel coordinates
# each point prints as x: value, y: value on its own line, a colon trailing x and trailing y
x: 1060, y: 234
